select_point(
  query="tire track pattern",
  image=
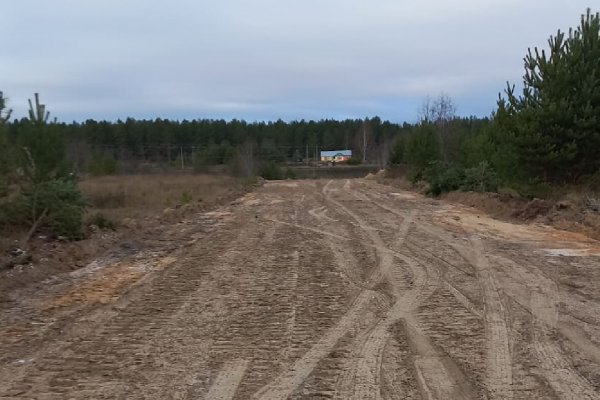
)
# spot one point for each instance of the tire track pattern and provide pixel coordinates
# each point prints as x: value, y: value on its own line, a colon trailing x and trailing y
x: 498, y: 357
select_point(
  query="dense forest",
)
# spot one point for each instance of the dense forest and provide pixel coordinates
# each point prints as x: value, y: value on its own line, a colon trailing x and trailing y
x: 544, y: 135
x: 211, y: 142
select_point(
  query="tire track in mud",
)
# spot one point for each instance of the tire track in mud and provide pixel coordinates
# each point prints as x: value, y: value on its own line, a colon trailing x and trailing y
x: 290, y: 323
x: 284, y: 385
x: 228, y: 380
x: 321, y: 214
x: 80, y: 367
x: 465, y: 253
x: 282, y: 307
x: 439, y: 377
x: 266, y: 309
x: 363, y: 380
x: 498, y: 356
x: 557, y: 370
x: 463, y: 300
x: 543, y: 302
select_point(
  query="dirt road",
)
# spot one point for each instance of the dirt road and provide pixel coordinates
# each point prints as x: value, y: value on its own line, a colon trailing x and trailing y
x: 339, y: 289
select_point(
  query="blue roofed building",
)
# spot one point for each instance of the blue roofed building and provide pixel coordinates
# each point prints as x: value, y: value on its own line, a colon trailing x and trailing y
x: 336, y: 155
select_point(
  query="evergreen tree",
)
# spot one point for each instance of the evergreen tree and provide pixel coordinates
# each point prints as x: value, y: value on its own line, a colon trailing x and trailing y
x: 422, y: 147
x: 42, y: 146
x: 4, y: 113
x: 48, y: 197
x: 555, y: 122
x: 5, y: 148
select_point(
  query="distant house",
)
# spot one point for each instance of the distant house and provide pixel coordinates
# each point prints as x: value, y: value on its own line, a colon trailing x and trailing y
x: 336, y: 155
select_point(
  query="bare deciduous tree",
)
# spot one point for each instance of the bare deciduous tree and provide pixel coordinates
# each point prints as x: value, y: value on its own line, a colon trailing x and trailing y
x: 439, y: 111
x: 363, y: 140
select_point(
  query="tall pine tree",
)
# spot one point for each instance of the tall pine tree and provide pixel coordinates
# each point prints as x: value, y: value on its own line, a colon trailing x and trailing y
x: 555, y: 122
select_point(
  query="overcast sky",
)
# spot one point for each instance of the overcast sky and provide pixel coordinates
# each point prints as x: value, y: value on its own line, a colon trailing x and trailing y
x: 268, y: 59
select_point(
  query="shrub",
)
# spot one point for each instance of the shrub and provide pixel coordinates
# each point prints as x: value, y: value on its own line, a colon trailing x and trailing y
x: 102, y: 165
x: 101, y: 221
x: 397, y: 153
x: 481, y: 178
x: 56, y: 205
x: 185, y: 198
x: 289, y: 173
x: 422, y: 147
x: 354, y: 161
x: 443, y: 177
x: 415, y: 175
x: 591, y: 182
x: 270, y: 171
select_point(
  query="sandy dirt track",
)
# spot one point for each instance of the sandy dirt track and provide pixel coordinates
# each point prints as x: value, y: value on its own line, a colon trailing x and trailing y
x: 341, y: 289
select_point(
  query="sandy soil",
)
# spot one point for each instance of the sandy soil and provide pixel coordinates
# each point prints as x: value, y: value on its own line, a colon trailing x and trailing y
x: 341, y: 289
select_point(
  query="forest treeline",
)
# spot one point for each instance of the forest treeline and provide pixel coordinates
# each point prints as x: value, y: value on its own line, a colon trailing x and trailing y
x: 212, y: 142
x: 541, y: 136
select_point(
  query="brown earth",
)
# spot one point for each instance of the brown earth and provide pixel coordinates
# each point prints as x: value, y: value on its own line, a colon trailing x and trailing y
x: 318, y: 289
x: 138, y: 205
x: 568, y: 213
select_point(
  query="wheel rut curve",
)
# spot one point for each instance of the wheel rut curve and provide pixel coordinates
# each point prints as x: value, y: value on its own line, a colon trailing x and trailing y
x: 437, y: 375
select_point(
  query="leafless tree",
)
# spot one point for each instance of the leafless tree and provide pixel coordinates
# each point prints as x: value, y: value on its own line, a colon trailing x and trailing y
x: 363, y: 140
x: 439, y: 111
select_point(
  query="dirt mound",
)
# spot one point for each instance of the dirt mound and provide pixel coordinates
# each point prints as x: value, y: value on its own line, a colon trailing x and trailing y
x: 376, y: 176
x: 570, y: 213
x: 533, y: 209
x: 502, y: 206
x: 576, y: 213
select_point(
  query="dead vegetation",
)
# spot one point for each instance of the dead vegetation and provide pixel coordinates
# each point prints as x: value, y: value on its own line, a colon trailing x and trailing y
x: 574, y: 208
x: 123, y: 209
x: 146, y: 196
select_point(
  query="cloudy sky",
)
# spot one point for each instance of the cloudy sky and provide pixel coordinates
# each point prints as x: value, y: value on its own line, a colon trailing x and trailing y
x: 268, y: 59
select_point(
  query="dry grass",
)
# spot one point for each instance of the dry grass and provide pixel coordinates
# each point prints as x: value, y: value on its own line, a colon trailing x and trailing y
x: 141, y: 199
x: 138, y: 196
x: 6, y: 241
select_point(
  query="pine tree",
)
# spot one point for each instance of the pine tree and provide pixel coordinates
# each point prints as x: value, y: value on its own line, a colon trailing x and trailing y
x: 4, y: 113
x: 5, y: 149
x: 555, y: 122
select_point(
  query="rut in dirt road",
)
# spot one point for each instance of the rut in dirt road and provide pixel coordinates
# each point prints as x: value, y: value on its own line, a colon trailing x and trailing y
x: 322, y: 289
x: 498, y: 358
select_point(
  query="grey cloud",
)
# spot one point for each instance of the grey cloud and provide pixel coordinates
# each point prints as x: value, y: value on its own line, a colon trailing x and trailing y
x: 267, y: 59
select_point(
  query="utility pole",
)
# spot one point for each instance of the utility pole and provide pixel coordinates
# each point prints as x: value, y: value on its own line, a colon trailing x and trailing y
x: 316, y: 158
x: 181, y: 153
x: 307, y: 154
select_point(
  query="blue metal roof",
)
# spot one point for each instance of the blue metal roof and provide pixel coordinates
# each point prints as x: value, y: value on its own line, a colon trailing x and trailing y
x: 334, y: 153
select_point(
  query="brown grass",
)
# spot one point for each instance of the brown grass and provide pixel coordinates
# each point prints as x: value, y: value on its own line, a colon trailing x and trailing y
x: 140, y: 198
x: 137, y: 196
